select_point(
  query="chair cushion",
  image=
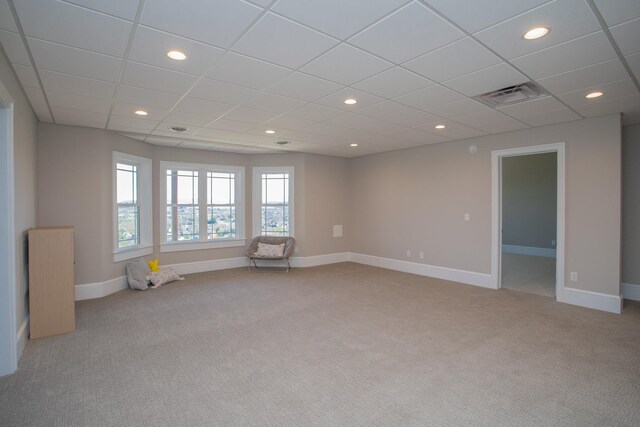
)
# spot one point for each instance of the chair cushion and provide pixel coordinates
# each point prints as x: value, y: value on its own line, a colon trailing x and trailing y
x: 265, y: 250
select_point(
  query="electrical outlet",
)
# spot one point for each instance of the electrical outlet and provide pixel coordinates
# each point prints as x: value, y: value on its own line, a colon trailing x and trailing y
x: 421, y: 255
x: 408, y: 254
x: 573, y: 276
x: 296, y: 249
x: 466, y: 217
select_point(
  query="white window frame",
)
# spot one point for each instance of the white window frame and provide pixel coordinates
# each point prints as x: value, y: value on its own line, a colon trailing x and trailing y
x: 145, y: 247
x: 204, y: 242
x: 257, y: 196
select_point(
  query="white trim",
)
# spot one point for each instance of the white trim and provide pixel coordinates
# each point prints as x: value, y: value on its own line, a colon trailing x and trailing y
x: 145, y: 199
x: 529, y: 250
x: 257, y: 196
x: 23, y: 336
x: 631, y: 291
x: 100, y: 289
x: 595, y: 300
x: 315, y: 260
x: 445, y: 273
x: 210, y: 265
x: 9, y: 351
x: 196, y: 245
x: 132, y: 253
x: 496, y: 193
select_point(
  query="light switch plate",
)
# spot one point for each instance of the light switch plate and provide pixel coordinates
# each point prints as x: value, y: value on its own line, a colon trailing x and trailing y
x: 337, y: 231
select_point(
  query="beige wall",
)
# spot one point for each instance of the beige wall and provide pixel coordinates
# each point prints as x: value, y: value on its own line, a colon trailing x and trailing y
x: 76, y: 189
x: 416, y: 200
x: 631, y: 205
x: 529, y: 185
x: 25, y: 209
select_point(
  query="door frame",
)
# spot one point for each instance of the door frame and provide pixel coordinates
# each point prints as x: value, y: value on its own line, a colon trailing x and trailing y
x: 496, y: 210
x: 8, y: 330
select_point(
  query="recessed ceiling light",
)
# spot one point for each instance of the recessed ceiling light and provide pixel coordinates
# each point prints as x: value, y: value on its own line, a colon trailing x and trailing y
x: 269, y: 131
x: 178, y: 129
x: 141, y: 113
x: 535, y: 33
x: 350, y: 101
x: 440, y: 126
x: 177, y: 55
x: 596, y: 94
x: 353, y: 145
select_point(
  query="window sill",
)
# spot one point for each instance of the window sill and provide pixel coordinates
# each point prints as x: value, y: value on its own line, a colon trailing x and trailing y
x: 194, y: 246
x: 132, y: 253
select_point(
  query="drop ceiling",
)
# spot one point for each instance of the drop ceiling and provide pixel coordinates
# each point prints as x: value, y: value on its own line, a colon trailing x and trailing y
x: 288, y: 66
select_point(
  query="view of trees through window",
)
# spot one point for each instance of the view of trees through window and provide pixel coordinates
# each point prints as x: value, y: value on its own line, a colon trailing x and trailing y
x: 275, y: 204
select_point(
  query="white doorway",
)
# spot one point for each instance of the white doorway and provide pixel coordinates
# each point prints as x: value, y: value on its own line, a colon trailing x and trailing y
x: 8, y: 332
x: 498, y: 259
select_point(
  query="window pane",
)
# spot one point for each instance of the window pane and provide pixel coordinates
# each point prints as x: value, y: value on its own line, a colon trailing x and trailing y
x: 169, y: 224
x: 188, y: 223
x: 169, y: 188
x: 220, y: 189
x: 128, y: 226
x: 276, y: 189
x: 221, y: 222
x: 126, y: 185
x: 187, y: 187
x: 275, y: 220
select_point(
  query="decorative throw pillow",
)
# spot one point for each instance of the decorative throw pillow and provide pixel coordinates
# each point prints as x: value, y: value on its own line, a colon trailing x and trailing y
x: 153, y: 265
x: 271, y: 251
x: 159, y: 278
x: 137, y: 272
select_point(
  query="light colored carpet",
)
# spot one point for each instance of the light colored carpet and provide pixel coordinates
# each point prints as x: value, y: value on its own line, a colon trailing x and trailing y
x: 344, y: 344
x: 531, y: 274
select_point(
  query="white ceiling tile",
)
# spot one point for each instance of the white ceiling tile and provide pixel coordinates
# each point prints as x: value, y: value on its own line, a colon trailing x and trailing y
x: 214, y: 90
x: 429, y: 97
x: 535, y: 106
x: 134, y: 135
x: 77, y: 85
x: 475, y: 15
x: 132, y: 124
x: 68, y: 116
x: 76, y: 102
x: 567, y: 19
x: 164, y: 129
x: 453, y: 130
x: 394, y: 38
x: 346, y: 65
x: 394, y: 82
x: 218, y: 23
x: 593, y: 75
x: 634, y: 63
x: 453, y: 60
x: 485, y: 80
x: 74, y: 26
x: 627, y: 36
x: 336, y: 99
x: 303, y: 86
x: 491, y: 121
x: 420, y: 137
x: 273, y: 103
x: 203, y: 107
x: 618, y: 11
x: 338, y: 18
x: 315, y: 112
x: 128, y: 110
x: 551, y: 117
x: 71, y: 60
x: 151, y: 46
x: 6, y: 18
x: 508, y: 125
x: 245, y: 71
x: 249, y: 115
x: 288, y: 122
x: 154, y: 78
x: 26, y: 75
x: 162, y: 140
x: 42, y: 111
x: 189, y: 119
x: 35, y: 96
x: 231, y: 125
x: 146, y: 98
x: 283, y: 42
x: 397, y: 113
x: 464, y: 107
x: 14, y: 48
x: 613, y: 90
x: 125, y: 9
x: 356, y: 121
x: 218, y: 134
x: 262, y: 3
x: 611, y: 106
x: 578, y: 53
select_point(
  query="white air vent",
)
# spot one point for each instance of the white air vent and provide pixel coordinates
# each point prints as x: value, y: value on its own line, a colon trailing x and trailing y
x: 511, y: 95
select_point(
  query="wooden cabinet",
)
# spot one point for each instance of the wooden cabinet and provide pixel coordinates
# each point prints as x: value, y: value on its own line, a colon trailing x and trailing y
x: 51, y: 281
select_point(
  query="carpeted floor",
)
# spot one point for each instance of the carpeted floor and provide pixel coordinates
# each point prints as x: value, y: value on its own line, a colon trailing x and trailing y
x: 344, y: 344
x: 527, y: 273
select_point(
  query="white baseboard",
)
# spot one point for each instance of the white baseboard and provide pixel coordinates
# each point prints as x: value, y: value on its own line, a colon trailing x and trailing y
x: 100, y: 289
x: 210, y: 265
x: 630, y: 291
x: 23, y: 336
x: 445, y: 273
x: 316, y: 260
x: 529, y: 250
x: 595, y: 300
